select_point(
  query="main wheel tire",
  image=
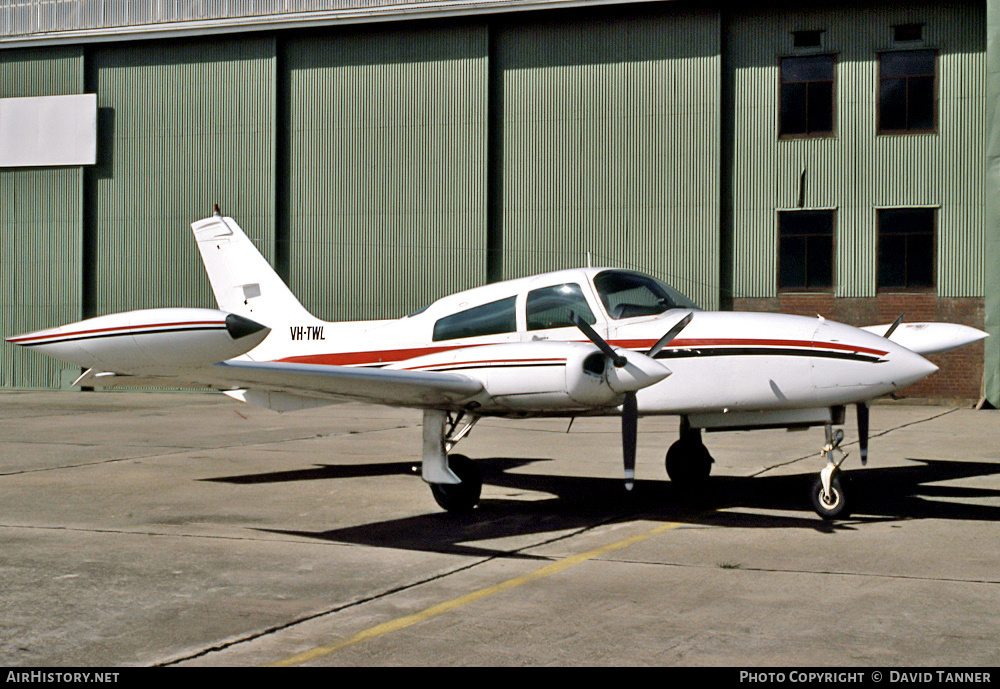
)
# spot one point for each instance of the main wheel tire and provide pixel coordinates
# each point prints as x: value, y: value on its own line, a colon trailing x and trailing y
x: 688, y: 463
x: 832, y: 506
x: 458, y: 498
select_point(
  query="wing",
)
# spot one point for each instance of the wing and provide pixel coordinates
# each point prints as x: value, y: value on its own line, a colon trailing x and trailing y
x: 285, y: 383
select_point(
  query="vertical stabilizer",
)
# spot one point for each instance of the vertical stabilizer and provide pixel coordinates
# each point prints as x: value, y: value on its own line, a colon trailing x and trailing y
x: 243, y: 281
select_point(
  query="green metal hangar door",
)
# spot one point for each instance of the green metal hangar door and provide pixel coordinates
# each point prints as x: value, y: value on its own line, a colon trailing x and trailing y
x: 833, y: 160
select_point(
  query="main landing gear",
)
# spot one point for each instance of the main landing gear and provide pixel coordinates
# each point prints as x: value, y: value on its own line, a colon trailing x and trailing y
x: 688, y: 461
x: 461, y: 497
x: 455, y: 480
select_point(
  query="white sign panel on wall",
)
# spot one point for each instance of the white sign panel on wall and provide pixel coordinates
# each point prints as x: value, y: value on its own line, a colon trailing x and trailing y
x: 48, y: 131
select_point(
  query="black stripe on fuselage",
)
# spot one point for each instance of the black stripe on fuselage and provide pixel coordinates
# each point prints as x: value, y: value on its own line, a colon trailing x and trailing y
x: 697, y: 352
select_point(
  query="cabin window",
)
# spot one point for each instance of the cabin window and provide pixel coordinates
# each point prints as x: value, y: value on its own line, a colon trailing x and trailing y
x: 807, y: 96
x: 906, y: 91
x: 489, y: 319
x: 550, y: 307
x: 626, y: 295
x: 805, y: 249
x: 906, y: 253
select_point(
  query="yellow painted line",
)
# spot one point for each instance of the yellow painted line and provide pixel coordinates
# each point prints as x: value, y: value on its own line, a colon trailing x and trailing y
x: 448, y: 606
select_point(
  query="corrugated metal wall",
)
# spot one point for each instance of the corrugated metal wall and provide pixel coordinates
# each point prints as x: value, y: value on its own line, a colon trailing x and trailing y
x: 25, y: 17
x: 192, y: 125
x: 387, y: 176
x: 857, y: 171
x: 611, y: 145
x: 991, y: 248
x: 40, y: 228
x: 363, y: 160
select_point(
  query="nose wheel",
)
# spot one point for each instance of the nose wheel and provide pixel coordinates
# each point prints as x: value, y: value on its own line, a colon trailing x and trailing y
x: 827, y: 493
x: 829, y: 502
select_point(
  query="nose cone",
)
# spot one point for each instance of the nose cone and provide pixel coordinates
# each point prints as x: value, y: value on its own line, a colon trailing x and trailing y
x: 858, y: 364
x: 908, y: 367
x: 639, y: 371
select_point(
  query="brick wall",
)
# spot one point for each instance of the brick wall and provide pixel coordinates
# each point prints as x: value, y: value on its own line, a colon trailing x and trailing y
x: 961, y: 371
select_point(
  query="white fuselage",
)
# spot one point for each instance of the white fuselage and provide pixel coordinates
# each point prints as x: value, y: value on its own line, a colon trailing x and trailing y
x: 720, y: 362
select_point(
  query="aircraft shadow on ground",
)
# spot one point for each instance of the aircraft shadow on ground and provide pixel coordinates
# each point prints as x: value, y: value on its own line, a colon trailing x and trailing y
x: 876, y: 494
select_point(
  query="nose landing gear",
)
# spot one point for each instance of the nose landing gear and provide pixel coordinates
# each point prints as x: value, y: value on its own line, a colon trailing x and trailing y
x: 827, y: 493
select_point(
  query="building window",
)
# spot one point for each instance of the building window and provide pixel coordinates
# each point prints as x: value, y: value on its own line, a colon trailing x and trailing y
x: 807, y: 96
x: 807, y: 39
x: 805, y: 249
x: 902, y: 33
x: 906, y: 248
x: 906, y: 91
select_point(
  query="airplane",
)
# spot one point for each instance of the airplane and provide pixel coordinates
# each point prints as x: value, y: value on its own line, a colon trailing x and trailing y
x: 570, y: 343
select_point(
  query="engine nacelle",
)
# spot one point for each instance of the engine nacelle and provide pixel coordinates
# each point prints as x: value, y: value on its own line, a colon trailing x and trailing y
x: 149, y: 341
x: 545, y: 375
x: 587, y: 378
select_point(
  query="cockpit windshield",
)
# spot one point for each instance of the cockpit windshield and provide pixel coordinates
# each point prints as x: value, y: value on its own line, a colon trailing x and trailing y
x: 626, y: 294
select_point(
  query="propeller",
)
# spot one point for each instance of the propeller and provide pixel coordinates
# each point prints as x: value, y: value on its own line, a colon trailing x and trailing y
x: 863, y: 413
x: 614, y: 357
x: 895, y: 324
x: 669, y: 336
x: 630, y: 406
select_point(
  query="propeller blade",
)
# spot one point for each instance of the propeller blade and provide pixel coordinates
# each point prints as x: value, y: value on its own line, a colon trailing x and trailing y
x: 630, y: 432
x: 669, y: 336
x: 863, y: 413
x: 617, y: 359
x: 895, y: 324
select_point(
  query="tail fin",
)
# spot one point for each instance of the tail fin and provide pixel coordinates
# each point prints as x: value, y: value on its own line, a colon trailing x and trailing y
x: 243, y: 281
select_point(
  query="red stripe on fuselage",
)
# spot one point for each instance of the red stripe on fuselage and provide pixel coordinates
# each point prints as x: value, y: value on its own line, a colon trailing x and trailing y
x: 386, y: 356
x: 391, y: 356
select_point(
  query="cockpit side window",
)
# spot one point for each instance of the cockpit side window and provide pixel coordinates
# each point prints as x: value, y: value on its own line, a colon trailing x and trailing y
x: 626, y: 295
x: 489, y: 319
x: 549, y: 307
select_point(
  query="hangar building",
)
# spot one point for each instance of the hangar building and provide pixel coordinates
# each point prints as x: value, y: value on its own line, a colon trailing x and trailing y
x: 835, y: 158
